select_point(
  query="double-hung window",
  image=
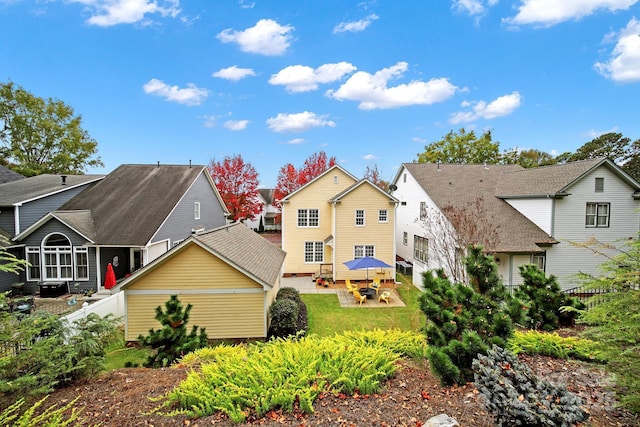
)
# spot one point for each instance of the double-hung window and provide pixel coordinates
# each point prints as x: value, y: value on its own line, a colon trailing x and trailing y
x: 359, y: 217
x: 597, y: 214
x: 383, y: 215
x: 33, y: 258
x: 360, y: 251
x: 424, y: 211
x: 82, y: 263
x: 57, y: 263
x: 420, y: 248
x: 308, y: 218
x: 313, y: 252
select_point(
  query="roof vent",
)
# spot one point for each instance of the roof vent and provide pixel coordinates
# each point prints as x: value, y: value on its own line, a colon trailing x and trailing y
x: 64, y: 179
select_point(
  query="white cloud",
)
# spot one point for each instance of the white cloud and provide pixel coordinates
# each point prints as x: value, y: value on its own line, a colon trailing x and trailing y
x: 473, y: 7
x: 372, y: 92
x: 236, y: 124
x: 624, y: 63
x: 234, y: 73
x: 355, y: 26
x: 296, y: 141
x: 550, y: 12
x: 244, y: 5
x: 299, y: 122
x: 595, y: 133
x: 369, y: 157
x: 267, y: 38
x: 300, y: 78
x: 191, y: 95
x: 420, y: 140
x: 105, y: 13
x: 499, y: 107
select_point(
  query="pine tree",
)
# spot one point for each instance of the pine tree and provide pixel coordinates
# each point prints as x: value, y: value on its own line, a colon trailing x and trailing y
x: 172, y: 341
x: 544, y: 299
x: 464, y: 321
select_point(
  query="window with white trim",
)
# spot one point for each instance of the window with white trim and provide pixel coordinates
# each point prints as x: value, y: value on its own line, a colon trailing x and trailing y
x: 539, y: 261
x: 360, y: 251
x: 57, y: 258
x: 81, y: 256
x: 308, y: 218
x: 313, y: 252
x: 33, y: 258
x: 421, y: 248
x: 383, y: 215
x: 359, y: 217
x: 597, y: 215
x: 424, y: 211
x: 196, y: 210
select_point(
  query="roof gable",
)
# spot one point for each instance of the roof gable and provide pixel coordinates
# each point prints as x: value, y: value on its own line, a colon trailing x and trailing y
x: 363, y: 182
x: 332, y: 169
x: 263, y: 263
x: 7, y: 175
x: 554, y: 180
x: 133, y: 201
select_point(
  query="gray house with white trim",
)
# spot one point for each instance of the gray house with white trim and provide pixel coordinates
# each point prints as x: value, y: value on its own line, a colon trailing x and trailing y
x: 132, y: 216
x: 536, y: 215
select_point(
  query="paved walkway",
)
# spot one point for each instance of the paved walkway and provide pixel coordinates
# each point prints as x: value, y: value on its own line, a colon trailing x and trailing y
x: 305, y: 285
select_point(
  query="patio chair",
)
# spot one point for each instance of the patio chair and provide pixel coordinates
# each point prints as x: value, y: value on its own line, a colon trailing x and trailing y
x: 359, y: 298
x: 375, y: 284
x: 384, y: 296
x: 350, y: 287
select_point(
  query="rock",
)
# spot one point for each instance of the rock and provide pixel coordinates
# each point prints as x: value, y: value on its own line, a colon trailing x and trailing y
x: 442, y: 420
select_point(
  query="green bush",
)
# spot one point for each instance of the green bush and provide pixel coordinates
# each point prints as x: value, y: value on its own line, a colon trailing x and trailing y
x: 287, y: 320
x: 516, y: 397
x: 172, y: 341
x: 284, y: 318
x: 464, y: 321
x: 48, y: 352
x: 544, y: 298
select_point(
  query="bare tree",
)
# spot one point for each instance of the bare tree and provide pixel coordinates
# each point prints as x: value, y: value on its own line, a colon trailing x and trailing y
x: 452, y: 229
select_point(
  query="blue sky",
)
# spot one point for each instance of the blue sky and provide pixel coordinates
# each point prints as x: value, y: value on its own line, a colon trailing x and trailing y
x: 369, y: 82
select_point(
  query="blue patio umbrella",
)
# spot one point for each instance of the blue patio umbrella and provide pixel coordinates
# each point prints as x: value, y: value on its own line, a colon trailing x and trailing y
x: 366, y: 262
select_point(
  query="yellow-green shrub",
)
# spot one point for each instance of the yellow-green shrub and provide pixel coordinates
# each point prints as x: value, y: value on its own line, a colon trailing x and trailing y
x: 277, y: 374
x: 552, y: 344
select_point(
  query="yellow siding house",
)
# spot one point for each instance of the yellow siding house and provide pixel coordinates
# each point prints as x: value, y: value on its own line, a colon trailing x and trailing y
x: 336, y: 218
x: 230, y: 275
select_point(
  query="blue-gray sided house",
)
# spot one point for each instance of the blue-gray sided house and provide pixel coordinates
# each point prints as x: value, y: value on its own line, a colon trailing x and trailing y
x: 132, y: 216
x: 24, y: 201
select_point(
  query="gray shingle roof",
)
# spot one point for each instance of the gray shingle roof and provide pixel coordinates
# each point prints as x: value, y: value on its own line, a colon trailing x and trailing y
x: 40, y: 185
x: 460, y: 186
x: 544, y: 180
x: 7, y: 175
x: 267, y: 194
x: 246, y: 250
x: 80, y: 220
x: 130, y: 204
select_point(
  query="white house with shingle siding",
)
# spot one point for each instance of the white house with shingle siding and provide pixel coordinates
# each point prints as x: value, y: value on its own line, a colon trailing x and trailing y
x: 539, y: 214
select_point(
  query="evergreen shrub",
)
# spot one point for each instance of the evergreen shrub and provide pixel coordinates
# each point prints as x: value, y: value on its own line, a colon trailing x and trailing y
x: 517, y: 397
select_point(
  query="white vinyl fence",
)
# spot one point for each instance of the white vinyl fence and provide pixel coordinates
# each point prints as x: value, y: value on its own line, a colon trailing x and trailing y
x: 113, y: 304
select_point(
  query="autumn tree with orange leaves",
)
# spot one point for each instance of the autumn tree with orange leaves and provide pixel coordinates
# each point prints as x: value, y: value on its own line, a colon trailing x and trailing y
x: 290, y: 178
x: 237, y: 182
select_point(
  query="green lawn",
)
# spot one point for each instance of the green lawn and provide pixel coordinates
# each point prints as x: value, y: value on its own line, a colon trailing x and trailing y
x: 326, y: 317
